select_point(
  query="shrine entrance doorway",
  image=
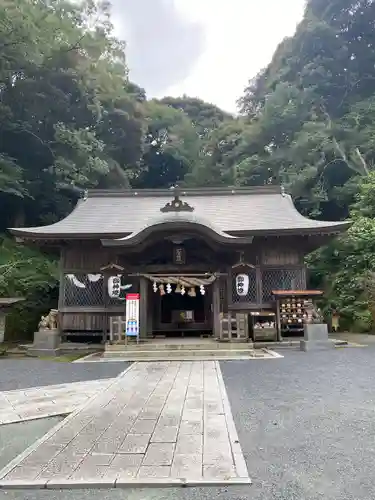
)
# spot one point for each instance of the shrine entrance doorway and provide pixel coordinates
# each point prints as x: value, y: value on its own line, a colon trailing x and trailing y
x: 182, y: 307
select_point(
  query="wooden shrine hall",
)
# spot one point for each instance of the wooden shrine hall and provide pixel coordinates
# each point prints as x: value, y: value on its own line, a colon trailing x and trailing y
x: 199, y: 261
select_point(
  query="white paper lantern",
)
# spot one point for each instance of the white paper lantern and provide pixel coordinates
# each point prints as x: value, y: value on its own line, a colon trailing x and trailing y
x: 242, y: 285
x: 114, y: 287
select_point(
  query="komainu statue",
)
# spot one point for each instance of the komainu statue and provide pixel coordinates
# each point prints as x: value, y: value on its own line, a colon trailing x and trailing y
x: 313, y: 315
x: 49, y: 322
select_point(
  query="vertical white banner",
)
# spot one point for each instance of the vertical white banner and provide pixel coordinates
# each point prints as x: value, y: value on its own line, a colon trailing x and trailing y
x: 132, y: 315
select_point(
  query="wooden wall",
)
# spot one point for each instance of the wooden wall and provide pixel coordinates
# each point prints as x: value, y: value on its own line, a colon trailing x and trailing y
x: 275, y: 260
x: 87, y: 256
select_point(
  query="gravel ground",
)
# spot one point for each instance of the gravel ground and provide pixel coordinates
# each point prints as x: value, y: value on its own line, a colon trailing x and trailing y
x: 306, y: 426
x: 23, y: 373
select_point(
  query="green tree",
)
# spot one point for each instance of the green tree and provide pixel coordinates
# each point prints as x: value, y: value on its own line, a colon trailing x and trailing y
x: 171, y: 147
x: 70, y: 119
x: 67, y: 99
x: 204, y: 116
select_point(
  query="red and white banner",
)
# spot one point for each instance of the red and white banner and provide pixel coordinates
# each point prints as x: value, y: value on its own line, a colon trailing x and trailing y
x: 132, y: 315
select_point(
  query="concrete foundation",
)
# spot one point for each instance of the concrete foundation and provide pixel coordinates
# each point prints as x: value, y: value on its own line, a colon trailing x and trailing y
x: 46, y: 343
x: 316, y: 338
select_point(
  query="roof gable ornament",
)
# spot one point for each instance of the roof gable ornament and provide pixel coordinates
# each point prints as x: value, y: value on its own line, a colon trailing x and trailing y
x: 112, y: 267
x: 177, y: 205
x: 241, y: 262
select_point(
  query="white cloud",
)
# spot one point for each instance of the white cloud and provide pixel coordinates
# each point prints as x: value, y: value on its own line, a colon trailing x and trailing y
x: 240, y: 39
x: 203, y: 48
x: 162, y: 43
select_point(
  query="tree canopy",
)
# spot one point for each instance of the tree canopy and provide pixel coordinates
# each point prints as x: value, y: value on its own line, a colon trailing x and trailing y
x: 311, y: 117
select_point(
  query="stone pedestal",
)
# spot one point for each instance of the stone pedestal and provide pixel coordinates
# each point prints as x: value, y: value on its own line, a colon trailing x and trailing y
x: 46, y: 343
x: 2, y: 326
x: 316, y: 338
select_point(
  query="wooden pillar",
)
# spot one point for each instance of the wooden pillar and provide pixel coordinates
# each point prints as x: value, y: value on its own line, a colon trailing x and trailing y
x: 304, y: 277
x: 143, y: 306
x: 216, y: 309
x: 106, y: 327
x: 150, y: 311
x: 278, y: 321
x: 259, y: 284
x: 61, y: 299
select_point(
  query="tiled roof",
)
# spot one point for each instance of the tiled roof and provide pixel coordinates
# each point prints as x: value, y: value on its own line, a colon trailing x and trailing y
x: 240, y: 211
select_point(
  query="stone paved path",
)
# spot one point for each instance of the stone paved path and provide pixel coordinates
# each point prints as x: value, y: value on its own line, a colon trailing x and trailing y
x: 41, y: 402
x: 160, y: 423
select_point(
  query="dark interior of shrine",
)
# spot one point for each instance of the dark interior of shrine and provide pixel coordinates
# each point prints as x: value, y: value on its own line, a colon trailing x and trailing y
x: 183, y: 314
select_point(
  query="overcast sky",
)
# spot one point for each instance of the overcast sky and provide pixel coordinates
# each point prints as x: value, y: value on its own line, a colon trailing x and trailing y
x: 202, y: 48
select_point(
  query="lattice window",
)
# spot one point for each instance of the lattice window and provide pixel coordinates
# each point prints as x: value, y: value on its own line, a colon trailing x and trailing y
x: 83, y: 290
x: 251, y: 295
x: 280, y: 279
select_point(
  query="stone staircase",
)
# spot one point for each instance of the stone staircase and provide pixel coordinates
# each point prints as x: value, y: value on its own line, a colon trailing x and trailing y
x: 183, y: 349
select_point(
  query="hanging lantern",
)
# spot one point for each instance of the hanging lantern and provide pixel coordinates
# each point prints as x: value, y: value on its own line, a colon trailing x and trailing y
x: 178, y: 288
x: 242, y: 284
x: 161, y: 288
x: 191, y: 292
x: 169, y: 288
x: 202, y: 290
x: 155, y: 287
x: 182, y: 290
x: 114, y: 287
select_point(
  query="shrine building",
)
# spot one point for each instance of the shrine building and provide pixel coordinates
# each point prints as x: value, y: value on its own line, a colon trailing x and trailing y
x: 221, y: 262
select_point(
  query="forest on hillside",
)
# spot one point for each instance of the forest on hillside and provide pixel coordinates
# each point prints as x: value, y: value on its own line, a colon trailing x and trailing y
x: 72, y: 119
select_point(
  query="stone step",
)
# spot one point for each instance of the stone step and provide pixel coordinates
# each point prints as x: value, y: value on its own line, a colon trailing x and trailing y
x: 171, y: 357
x: 161, y: 346
x: 186, y: 355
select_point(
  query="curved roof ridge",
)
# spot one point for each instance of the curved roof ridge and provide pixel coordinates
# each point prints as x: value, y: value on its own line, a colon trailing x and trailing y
x: 73, y: 213
x: 185, y: 191
x: 307, y: 219
x: 181, y: 221
x: 185, y: 217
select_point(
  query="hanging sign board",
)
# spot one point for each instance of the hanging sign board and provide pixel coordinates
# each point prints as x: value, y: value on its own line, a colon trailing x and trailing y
x: 132, y: 315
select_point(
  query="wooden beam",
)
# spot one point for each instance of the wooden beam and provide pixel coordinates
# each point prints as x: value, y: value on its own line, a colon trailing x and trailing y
x: 113, y: 309
x: 143, y: 306
x: 259, y: 284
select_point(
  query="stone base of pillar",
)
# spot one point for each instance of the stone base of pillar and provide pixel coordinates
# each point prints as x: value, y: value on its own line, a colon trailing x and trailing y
x: 46, y: 343
x: 316, y: 338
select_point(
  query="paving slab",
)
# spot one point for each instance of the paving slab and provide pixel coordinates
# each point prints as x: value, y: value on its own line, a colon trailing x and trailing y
x: 47, y: 401
x: 164, y: 423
